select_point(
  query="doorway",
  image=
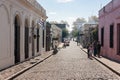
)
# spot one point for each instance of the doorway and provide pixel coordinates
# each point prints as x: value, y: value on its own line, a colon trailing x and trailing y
x: 26, y: 45
x: 118, y: 39
x: 17, y: 39
x: 38, y: 39
x: 33, y: 41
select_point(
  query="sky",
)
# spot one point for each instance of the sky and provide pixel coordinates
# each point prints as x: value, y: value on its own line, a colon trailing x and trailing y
x: 70, y: 10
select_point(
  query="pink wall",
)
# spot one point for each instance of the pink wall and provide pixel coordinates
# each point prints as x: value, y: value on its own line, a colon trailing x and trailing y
x: 108, y: 15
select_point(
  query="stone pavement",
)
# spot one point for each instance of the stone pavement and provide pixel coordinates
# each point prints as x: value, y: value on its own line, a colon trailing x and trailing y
x: 112, y: 65
x: 17, y: 69
x: 70, y: 63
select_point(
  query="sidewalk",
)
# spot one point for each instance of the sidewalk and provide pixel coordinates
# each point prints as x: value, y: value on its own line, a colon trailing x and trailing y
x: 114, y: 66
x: 13, y: 71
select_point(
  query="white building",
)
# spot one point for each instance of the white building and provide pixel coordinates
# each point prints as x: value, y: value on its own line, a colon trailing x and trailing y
x: 21, y: 31
x: 56, y: 33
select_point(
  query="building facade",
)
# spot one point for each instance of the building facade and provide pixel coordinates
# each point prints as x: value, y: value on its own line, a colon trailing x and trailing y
x: 87, y: 36
x: 56, y: 34
x: 48, y: 36
x: 109, y: 30
x: 63, y: 27
x: 21, y: 31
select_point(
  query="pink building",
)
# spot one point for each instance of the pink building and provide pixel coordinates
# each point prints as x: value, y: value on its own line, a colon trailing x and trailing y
x: 109, y: 30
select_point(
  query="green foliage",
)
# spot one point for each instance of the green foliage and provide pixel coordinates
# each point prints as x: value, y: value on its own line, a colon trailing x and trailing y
x: 75, y: 33
x: 93, y: 19
x: 65, y: 33
x: 76, y: 24
x: 95, y: 34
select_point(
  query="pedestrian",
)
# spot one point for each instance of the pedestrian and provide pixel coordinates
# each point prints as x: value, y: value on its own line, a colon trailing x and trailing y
x: 95, y: 48
x: 91, y: 51
x: 88, y: 50
x: 78, y: 41
x: 55, y: 50
x: 64, y: 45
x: 98, y: 49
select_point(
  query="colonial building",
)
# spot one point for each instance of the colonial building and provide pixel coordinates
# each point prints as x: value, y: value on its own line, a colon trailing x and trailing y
x: 56, y: 34
x: 21, y: 31
x: 48, y: 36
x: 63, y: 27
x: 109, y: 30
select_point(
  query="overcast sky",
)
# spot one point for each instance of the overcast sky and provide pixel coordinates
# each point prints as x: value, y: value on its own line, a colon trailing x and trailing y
x: 69, y: 10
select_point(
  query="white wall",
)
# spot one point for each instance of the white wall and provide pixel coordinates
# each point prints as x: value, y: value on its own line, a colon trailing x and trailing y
x: 8, y: 10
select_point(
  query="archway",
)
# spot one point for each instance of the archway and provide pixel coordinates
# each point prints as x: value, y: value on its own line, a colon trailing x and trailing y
x: 33, y: 41
x: 26, y: 44
x: 38, y: 36
x: 17, y: 39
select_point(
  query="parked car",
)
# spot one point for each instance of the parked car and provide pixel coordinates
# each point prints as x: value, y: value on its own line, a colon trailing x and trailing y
x: 67, y: 42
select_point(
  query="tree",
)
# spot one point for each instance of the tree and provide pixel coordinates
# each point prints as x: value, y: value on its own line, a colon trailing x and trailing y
x: 93, y: 19
x: 95, y: 34
x: 79, y: 22
x: 64, y: 22
x: 76, y: 26
x: 75, y: 33
x: 65, y: 33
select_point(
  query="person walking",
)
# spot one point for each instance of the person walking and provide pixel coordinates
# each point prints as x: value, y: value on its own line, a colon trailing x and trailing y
x: 95, y: 48
x: 78, y: 41
x: 64, y: 45
x: 98, y: 49
x: 90, y: 51
x: 55, y: 50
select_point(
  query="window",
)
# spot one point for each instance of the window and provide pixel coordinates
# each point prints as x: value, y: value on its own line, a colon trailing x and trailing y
x: 102, y: 36
x: 111, y: 36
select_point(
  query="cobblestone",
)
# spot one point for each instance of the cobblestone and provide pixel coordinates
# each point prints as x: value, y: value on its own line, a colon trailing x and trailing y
x: 14, y: 69
x: 70, y: 63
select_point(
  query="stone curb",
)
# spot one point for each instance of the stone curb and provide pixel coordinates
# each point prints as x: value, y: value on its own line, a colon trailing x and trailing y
x: 24, y: 70
x: 116, y: 72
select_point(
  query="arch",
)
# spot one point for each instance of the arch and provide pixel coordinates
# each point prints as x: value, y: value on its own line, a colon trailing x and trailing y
x: 17, y: 14
x: 4, y: 33
x: 27, y: 21
x: 17, y: 38
x: 26, y: 37
x: 5, y: 8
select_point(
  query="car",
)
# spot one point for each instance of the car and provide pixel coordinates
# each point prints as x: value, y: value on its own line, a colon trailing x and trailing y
x: 67, y: 42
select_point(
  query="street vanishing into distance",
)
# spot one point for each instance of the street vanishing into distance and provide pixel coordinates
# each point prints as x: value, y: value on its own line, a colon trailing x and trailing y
x: 59, y: 39
x: 70, y: 63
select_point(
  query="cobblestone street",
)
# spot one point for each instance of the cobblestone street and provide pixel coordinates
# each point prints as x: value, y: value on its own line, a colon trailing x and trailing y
x: 71, y: 63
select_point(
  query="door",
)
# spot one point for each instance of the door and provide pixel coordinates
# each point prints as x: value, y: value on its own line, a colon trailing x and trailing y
x: 17, y: 39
